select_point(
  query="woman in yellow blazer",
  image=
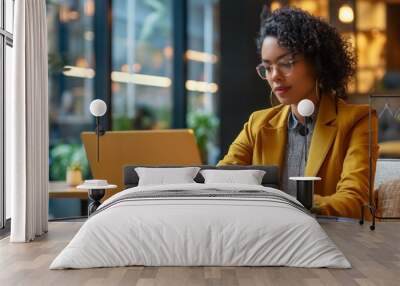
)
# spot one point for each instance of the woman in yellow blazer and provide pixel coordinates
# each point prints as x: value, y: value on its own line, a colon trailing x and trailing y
x: 303, y: 57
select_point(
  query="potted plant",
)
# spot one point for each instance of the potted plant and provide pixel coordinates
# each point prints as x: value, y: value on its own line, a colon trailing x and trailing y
x: 205, y: 126
x: 63, y: 156
x: 74, y: 174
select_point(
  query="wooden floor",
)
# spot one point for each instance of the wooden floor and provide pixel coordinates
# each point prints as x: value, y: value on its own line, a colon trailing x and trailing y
x: 375, y: 257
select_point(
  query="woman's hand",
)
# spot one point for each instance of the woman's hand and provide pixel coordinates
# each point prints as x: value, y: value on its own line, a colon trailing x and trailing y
x: 316, y: 208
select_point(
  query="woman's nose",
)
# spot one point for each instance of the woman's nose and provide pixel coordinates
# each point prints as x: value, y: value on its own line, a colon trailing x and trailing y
x: 275, y: 74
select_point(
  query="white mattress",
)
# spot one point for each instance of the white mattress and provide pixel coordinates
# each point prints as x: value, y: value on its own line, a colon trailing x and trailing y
x: 200, y: 231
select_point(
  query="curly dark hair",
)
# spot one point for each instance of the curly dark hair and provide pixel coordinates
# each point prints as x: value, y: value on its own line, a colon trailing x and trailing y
x: 321, y: 44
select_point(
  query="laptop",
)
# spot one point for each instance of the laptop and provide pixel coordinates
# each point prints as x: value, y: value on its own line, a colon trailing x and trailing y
x: 148, y: 147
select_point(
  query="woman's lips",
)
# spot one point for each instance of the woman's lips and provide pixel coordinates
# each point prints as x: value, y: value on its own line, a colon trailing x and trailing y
x: 281, y: 90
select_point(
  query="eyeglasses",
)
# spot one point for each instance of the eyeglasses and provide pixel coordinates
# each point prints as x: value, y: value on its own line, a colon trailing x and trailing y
x: 284, y: 67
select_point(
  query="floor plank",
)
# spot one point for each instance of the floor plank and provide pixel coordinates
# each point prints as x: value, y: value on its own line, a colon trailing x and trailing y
x: 374, y: 255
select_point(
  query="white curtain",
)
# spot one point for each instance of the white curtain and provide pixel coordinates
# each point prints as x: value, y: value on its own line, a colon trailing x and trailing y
x: 27, y: 123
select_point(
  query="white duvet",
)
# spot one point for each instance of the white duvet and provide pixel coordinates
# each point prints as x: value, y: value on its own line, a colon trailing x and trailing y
x: 200, y: 231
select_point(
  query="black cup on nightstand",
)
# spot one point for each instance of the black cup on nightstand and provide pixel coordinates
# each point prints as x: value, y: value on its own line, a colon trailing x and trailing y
x: 305, y: 190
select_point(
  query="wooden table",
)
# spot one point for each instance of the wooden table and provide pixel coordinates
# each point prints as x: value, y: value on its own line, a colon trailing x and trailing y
x: 59, y: 190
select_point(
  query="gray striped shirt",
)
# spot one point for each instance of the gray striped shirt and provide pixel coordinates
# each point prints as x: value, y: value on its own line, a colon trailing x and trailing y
x: 294, y: 163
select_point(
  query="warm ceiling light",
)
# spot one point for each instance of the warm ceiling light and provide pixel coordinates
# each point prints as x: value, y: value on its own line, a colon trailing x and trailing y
x: 168, y: 52
x: 201, y: 57
x: 201, y: 86
x: 81, y: 62
x: 73, y: 15
x: 275, y: 5
x: 310, y: 6
x: 346, y: 14
x: 137, y: 67
x: 141, y: 79
x: 161, y: 81
x: 63, y: 14
x: 74, y: 71
x: 115, y: 87
x: 125, y: 68
x: 89, y: 8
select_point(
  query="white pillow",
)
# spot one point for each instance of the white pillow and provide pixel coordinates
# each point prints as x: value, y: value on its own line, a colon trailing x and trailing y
x: 163, y: 176
x: 248, y: 177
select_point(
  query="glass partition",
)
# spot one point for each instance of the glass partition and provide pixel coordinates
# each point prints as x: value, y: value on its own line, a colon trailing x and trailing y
x: 71, y: 80
x: 142, y: 64
x: 202, y: 85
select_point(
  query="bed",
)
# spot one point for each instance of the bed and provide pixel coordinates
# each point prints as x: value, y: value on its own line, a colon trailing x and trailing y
x: 201, y: 224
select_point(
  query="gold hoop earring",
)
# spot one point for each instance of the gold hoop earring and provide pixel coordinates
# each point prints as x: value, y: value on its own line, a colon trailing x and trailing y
x: 271, y: 101
x: 317, y: 90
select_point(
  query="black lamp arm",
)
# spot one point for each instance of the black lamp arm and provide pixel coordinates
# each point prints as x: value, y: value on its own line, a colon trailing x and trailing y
x: 307, y: 120
x: 99, y: 129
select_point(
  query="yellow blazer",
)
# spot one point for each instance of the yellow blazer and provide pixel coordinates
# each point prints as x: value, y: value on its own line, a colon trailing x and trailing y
x: 338, y: 152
